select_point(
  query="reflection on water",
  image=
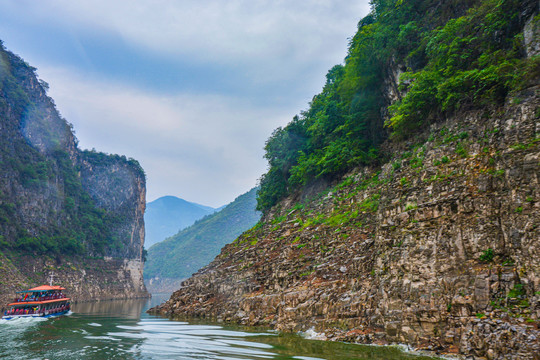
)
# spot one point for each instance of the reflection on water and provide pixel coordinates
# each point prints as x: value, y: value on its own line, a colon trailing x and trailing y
x: 121, y: 330
x: 127, y: 309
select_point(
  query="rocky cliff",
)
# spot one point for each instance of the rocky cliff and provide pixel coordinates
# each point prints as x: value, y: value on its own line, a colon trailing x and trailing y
x: 436, y: 246
x: 77, y: 214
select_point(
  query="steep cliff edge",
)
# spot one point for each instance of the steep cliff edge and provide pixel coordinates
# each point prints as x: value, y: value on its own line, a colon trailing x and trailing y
x: 438, y: 248
x: 437, y: 245
x: 77, y: 214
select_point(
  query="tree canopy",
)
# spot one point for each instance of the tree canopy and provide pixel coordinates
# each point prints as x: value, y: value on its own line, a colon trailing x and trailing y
x: 456, y: 54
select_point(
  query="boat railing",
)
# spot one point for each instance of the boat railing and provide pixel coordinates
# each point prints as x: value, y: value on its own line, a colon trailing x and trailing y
x: 33, y: 311
x: 40, y: 298
x: 21, y: 312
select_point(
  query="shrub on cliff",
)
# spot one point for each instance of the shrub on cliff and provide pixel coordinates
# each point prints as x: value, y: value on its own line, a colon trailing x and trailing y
x: 472, y: 60
x: 456, y: 54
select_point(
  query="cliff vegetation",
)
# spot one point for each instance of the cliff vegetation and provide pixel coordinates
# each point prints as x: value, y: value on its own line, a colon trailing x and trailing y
x: 410, y: 64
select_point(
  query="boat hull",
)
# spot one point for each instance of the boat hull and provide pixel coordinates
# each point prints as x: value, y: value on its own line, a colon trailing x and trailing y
x: 26, y: 316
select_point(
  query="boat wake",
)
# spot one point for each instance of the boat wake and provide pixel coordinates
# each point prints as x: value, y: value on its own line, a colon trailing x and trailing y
x: 22, y: 320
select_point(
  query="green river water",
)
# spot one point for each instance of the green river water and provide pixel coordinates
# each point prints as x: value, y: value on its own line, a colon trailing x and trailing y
x: 122, y: 330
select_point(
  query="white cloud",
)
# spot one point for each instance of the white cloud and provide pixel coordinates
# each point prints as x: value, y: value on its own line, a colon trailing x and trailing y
x: 217, y: 29
x: 281, y: 37
x: 206, y: 148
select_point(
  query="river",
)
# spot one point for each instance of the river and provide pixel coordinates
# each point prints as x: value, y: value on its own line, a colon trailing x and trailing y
x: 122, y: 330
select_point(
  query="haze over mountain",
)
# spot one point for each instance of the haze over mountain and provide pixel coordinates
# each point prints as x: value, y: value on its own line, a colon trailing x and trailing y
x: 167, y: 215
x: 194, y: 247
x: 236, y: 69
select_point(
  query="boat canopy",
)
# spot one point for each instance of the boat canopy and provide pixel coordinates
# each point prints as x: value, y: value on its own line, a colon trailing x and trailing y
x: 41, y: 289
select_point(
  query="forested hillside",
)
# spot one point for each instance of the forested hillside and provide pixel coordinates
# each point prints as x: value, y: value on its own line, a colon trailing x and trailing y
x: 411, y: 63
x: 194, y: 247
x: 167, y: 215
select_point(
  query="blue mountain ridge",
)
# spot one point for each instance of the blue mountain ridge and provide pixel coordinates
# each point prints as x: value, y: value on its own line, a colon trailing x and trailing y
x: 167, y: 215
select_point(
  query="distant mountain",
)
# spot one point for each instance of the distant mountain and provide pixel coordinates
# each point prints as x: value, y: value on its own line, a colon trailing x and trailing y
x: 194, y: 247
x: 167, y: 215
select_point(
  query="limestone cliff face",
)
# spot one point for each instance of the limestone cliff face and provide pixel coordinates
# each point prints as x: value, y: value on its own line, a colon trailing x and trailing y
x: 438, y: 248
x: 118, y: 186
x: 76, y: 213
x: 86, y: 279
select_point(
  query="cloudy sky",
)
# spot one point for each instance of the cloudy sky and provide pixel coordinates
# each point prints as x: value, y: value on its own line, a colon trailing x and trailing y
x: 190, y: 88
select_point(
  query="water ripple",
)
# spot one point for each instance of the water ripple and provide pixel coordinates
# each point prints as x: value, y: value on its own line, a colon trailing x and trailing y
x: 122, y: 331
x: 182, y: 340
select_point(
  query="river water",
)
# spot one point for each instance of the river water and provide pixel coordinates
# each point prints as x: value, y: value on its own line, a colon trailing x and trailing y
x: 122, y: 330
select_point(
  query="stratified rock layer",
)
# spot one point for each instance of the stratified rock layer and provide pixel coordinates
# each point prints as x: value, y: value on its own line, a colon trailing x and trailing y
x: 438, y: 248
x: 48, y: 185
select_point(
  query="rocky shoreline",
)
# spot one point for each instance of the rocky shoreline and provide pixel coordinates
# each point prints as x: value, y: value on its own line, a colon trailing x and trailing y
x: 437, y: 249
x: 84, y: 279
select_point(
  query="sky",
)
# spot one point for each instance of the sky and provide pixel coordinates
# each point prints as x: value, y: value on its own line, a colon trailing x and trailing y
x: 190, y: 88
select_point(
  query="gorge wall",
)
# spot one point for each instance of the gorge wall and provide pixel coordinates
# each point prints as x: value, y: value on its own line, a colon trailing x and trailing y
x: 439, y: 248
x: 438, y: 245
x: 77, y: 214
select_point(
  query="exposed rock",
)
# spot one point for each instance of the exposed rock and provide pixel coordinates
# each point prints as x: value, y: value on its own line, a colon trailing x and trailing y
x: 531, y: 35
x: 48, y: 185
x: 440, y: 251
x: 84, y: 279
